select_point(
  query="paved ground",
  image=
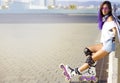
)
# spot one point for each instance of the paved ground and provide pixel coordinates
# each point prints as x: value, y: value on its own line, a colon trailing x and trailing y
x: 31, y: 53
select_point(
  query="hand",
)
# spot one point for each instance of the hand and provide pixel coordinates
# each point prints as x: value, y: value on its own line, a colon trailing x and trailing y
x: 113, y: 39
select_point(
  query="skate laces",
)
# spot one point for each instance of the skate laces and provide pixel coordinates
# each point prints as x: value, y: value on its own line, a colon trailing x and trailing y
x: 71, y: 71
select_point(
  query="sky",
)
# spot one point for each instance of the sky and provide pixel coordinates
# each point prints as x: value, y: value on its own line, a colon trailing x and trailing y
x: 27, y: 1
x: 70, y: 0
x: 89, y: 0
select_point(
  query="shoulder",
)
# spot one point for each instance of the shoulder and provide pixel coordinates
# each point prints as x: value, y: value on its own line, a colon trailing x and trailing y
x: 110, y: 18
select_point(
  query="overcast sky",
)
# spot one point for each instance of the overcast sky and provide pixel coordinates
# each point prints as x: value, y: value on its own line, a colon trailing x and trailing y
x: 26, y: 1
x: 89, y: 0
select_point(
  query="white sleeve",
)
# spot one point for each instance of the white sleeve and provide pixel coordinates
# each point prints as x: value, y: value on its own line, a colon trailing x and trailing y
x: 112, y: 24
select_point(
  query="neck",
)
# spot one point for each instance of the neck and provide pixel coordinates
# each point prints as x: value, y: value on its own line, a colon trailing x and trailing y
x: 105, y: 17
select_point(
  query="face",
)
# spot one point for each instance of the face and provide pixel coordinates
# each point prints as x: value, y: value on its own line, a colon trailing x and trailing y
x: 105, y: 9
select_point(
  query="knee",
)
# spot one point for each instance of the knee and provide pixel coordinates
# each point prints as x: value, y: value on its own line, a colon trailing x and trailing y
x: 87, y: 52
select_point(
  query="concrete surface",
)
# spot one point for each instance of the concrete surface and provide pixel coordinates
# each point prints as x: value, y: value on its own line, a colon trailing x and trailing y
x: 31, y: 53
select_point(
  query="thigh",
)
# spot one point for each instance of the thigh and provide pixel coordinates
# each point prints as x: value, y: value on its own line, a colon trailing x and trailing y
x: 99, y: 54
x: 96, y: 47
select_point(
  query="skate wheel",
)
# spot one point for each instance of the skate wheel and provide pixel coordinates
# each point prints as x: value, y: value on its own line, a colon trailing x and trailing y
x: 61, y: 66
x: 90, y: 79
x: 96, y: 80
x: 81, y: 78
x: 65, y: 73
x: 67, y: 78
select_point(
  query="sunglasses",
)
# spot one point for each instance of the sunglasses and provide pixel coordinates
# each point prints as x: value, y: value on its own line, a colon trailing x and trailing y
x: 105, y: 8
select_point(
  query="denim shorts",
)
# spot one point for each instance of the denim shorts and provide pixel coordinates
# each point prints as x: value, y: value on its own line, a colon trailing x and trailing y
x: 109, y: 46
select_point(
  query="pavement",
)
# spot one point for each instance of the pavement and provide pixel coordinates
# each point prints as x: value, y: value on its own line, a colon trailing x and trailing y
x: 32, y: 53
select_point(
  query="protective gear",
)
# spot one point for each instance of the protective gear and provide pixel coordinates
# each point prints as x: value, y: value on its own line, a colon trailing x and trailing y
x: 90, y: 61
x: 87, y: 52
x: 77, y: 72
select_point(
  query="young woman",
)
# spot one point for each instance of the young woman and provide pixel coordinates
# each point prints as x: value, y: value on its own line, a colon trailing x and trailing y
x: 96, y: 52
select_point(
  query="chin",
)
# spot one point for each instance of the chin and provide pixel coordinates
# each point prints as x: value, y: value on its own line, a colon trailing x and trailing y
x: 105, y: 14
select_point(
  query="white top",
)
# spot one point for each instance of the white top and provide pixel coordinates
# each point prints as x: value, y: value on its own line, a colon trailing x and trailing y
x: 106, y: 33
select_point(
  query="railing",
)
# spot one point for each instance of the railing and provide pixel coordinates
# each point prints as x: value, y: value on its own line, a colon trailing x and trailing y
x: 114, y: 64
x: 117, y: 55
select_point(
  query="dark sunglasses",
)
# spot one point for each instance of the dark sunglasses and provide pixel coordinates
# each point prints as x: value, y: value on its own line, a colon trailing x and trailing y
x: 105, y: 8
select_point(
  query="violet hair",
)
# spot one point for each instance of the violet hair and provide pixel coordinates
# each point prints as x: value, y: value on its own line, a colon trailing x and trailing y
x: 100, y: 15
x: 100, y: 22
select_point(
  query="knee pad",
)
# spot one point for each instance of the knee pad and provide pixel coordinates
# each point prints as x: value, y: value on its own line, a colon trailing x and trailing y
x: 87, y: 52
x: 90, y: 61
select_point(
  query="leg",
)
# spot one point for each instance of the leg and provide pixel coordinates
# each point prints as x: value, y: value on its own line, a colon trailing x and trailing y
x: 96, y: 56
x: 97, y: 53
x: 92, y: 49
x: 95, y: 48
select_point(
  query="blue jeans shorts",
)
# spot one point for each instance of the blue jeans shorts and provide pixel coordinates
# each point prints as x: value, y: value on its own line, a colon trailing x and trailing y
x: 109, y: 46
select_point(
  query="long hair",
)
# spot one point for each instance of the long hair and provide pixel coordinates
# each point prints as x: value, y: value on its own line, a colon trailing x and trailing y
x: 100, y: 14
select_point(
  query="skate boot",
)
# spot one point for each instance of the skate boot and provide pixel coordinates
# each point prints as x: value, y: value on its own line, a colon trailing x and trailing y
x: 89, y: 75
x: 91, y: 71
x: 72, y: 72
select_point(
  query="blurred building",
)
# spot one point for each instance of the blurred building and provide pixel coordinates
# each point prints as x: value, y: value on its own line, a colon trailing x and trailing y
x: 4, y: 4
x: 41, y: 4
x: 18, y: 6
x: 37, y: 4
x: 50, y: 2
